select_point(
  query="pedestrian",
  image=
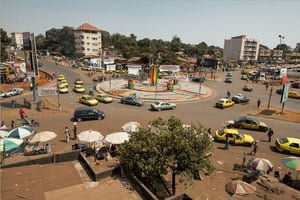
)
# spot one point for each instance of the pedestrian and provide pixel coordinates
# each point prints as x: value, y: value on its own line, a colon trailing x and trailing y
x: 255, y: 147
x: 258, y: 104
x: 228, y: 94
x: 75, y: 130
x: 12, y: 124
x: 47, y: 148
x: 244, y: 159
x: 287, y: 179
x: 13, y: 103
x: 67, y: 133
x: 226, y: 143
x: 22, y: 113
x: 267, y: 85
x: 270, y: 133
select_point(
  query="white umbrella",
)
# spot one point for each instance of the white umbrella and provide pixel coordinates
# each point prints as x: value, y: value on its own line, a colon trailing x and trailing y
x: 10, y: 143
x: 3, y: 133
x: 117, y: 138
x: 43, y: 136
x: 131, y: 127
x: 90, y: 136
x: 260, y: 164
x: 21, y: 132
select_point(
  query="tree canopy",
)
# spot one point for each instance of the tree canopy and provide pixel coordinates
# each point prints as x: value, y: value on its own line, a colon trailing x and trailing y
x: 5, y: 42
x: 168, y: 147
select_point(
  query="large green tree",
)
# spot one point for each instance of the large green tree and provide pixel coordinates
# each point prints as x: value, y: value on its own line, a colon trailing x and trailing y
x: 168, y: 147
x: 5, y: 42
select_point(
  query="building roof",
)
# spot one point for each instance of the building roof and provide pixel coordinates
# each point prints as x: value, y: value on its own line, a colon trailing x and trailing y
x: 87, y: 27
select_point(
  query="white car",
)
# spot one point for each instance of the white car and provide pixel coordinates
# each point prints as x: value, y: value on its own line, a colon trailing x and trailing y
x: 162, y: 105
x: 12, y: 92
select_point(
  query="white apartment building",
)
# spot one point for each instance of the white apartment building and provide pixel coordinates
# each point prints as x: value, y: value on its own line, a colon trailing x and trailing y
x: 241, y: 48
x: 17, y: 39
x: 87, y: 40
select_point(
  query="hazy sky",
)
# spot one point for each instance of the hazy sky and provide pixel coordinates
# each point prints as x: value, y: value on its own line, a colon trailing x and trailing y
x: 193, y: 21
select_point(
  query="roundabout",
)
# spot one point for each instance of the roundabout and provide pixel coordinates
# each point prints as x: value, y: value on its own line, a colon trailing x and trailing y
x: 183, y: 91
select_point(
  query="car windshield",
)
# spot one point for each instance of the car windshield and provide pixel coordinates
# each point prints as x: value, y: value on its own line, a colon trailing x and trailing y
x: 283, y: 140
x: 221, y: 101
x: 221, y: 132
x: 89, y: 98
x: 156, y: 103
x: 78, y: 86
x: 242, y: 135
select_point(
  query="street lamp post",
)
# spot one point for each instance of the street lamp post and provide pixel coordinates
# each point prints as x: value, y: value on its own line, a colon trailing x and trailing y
x: 273, y: 78
x: 58, y: 99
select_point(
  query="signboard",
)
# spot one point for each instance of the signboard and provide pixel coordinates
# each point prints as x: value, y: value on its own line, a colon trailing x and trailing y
x: 283, y: 75
x: 285, y: 92
x: 108, y: 61
x: 96, y: 62
x: 30, y: 54
x: 47, y: 91
x: 110, y: 67
x: 20, y: 68
x: 134, y: 69
x: 169, y: 68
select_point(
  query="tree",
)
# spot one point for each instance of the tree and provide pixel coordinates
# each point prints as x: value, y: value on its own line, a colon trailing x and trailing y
x: 40, y: 41
x: 168, y: 147
x: 176, y: 44
x: 5, y: 42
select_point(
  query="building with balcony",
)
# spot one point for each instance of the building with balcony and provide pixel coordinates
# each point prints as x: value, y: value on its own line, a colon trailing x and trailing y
x: 87, y: 40
x: 17, y: 39
x: 240, y: 48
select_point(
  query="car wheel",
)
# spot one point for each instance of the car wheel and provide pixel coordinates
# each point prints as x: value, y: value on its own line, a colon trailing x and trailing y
x: 159, y: 109
x: 79, y: 119
x: 99, y: 118
x: 248, y: 144
x: 286, y: 152
x: 240, y: 126
x: 173, y: 108
x: 122, y: 102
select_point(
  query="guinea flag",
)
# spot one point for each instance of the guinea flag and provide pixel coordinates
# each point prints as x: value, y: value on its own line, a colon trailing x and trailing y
x: 151, y: 75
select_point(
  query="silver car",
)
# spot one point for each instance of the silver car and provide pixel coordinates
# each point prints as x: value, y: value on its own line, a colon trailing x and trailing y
x: 132, y: 100
x: 162, y: 105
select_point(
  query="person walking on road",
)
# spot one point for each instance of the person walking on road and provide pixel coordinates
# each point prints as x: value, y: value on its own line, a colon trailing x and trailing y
x: 228, y: 94
x: 226, y: 143
x: 255, y: 147
x: 22, y: 113
x: 258, y: 104
x: 13, y: 103
x: 67, y: 133
x: 270, y: 134
x: 267, y: 85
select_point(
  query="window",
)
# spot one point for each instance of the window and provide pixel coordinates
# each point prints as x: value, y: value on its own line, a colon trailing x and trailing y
x: 295, y: 145
x: 88, y: 43
x: 88, y: 49
x: 87, y: 37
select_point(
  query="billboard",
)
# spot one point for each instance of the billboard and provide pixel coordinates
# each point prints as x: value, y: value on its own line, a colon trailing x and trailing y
x: 96, y: 62
x: 108, y: 61
x: 169, y: 68
x: 47, y: 91
x: 283, y: 75
x: 285, y: 92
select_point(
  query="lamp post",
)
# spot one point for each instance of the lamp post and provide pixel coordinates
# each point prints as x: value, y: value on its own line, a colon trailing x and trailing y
x: 58, y: 99
x: 273, y: 78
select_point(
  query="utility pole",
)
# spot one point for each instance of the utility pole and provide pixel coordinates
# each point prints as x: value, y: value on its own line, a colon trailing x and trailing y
x: 58, y: 97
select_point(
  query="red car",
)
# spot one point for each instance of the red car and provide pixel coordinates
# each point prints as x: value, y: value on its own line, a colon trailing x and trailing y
x: 296, y: 84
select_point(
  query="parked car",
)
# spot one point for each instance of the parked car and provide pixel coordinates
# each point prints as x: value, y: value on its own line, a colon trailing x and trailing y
x: 296, y: 84
x: 162, y: 105
x: 104, y: 98
x: 132, y: 100
x: 248, y: 88
x: 288, y: 145
x: 88, y: 100
x: 250, y: 123
x: 99, y: 78
x: 88, y: 114
x: 239, y: 98
x: 223, y: 103
x: 61, y: 77
x: 78, y: 81
x: 229, y: 74
x: 64, y: 83
x: 12, y: 92
x: 228, y: 80
x: 294, y: 94
x: 87, y: 68
x: 234, y: 137
x: 63, y: 89
x: 200, y: 79
x: 78, y: 89
x: 244, y: 77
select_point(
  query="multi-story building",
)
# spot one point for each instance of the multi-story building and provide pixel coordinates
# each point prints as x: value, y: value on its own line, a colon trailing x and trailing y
x: 297, y: 47
x: 241, y: 48
x: 17, y: 39
x: 87, y: 40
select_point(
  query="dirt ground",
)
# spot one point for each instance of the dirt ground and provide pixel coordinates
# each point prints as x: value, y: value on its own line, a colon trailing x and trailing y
x: 51, y: 181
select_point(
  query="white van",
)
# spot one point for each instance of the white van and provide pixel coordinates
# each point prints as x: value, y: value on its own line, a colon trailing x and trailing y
x: 262, y: 76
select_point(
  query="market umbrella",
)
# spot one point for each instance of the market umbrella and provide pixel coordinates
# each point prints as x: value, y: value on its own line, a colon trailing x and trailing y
x: 117, y: 137
x: 20, y: 132
x: 240, y: 187
x: 10, y: 143
x: 130, y: 127
x: 260, y: 164
x: 43, y: 136
x: 292, y: 162
x: 90, y: 136
x: 3, y: 133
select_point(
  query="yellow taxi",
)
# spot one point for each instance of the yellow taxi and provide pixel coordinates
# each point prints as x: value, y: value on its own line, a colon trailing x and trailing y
x: 104, y: 98
x: 250, y: 123
x: 61, y: 77
x: 78, y: 89
x: 223, y: 103
x: 64, y: 82
x: 288, y: 145
x: 78, y: 82
x: 63, y: 89
x: 294, y: 94
x: 88, y: 100
x: 234, y: 137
